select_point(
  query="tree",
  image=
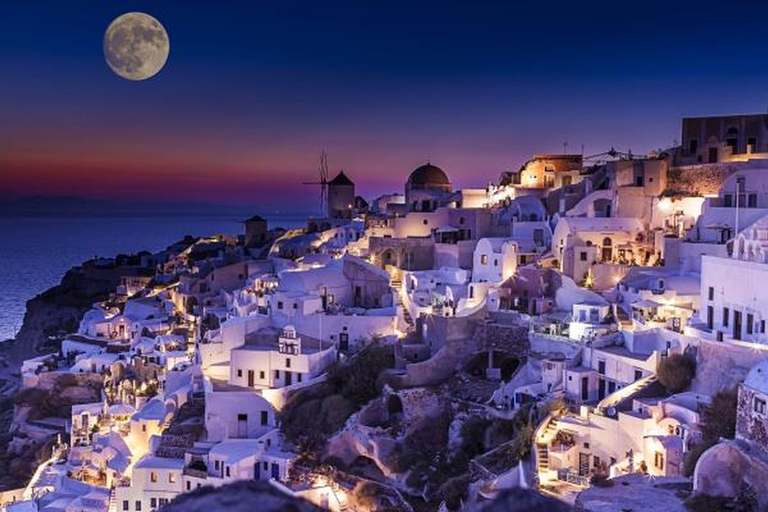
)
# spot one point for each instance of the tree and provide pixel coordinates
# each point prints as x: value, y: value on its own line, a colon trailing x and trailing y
x: 719, y: 421
x: 719, y: 417
x: 676, y: 372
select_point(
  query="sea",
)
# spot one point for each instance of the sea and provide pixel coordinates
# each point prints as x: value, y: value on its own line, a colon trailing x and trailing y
x: 36, y: 249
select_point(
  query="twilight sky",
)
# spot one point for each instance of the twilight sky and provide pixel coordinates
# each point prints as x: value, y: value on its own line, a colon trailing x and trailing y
x: 253, y: 91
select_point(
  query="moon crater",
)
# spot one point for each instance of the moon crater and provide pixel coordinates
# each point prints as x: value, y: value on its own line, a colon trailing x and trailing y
x: 136, y: 46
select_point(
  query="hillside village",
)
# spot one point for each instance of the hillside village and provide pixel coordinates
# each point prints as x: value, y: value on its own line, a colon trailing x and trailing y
x: 591, y: 327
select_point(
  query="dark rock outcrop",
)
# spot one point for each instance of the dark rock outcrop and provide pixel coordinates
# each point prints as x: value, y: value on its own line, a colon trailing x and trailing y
x: 243, y: 496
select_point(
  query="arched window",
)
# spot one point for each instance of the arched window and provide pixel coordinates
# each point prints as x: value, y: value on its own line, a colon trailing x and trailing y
x: 607, y: 249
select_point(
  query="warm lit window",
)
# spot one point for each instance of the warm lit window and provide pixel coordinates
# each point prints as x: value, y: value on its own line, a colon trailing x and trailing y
x: 483, y: 259
x: 759, y: 405
x: 153, y: 477
x: 171, y: 478
x: 658, y: 460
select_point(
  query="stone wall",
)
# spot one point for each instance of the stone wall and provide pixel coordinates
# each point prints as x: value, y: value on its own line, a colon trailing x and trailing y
x: 698, y: 180
x: 750, y: 425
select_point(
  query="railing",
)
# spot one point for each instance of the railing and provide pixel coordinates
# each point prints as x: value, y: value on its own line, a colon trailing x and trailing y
x: 197, y: 473
x: 566, y: 475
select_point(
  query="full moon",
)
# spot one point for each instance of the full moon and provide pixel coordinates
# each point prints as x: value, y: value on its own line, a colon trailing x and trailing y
x: 136, y: 46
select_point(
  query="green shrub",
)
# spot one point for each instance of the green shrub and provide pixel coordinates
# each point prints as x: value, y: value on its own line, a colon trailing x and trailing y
x: 719, y: 417
x: 601, y: 480
x: 676, y: 372
x: 473, y: 435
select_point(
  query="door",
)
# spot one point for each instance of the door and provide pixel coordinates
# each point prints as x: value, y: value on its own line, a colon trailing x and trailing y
x: 712, y: 155
x: 600, y: 389
x: 358, y: 296
x: 343, y: 341
x: 710, y: 317
x: 583, y: 464
x: 242, y: 425
x: 737, y: 325
x: 257, y: 471
x: 251, y: 378
x: 288, y: 378
x: 275, y: 471
x: 585, y: 388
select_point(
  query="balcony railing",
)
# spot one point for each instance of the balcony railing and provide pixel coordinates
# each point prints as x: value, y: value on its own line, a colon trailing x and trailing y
x: 197, y: 473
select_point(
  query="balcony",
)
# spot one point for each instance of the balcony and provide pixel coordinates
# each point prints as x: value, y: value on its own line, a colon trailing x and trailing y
x: 197, y: 473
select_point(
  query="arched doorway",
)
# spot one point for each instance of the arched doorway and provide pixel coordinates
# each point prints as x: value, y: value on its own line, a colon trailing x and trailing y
x: 607, y: 255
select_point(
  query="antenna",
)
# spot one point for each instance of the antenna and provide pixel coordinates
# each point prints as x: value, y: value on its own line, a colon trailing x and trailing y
x: 322, y: 170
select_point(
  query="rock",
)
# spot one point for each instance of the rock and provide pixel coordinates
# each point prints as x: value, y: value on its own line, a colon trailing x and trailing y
x: 243, y: 496
x: 524, y: 500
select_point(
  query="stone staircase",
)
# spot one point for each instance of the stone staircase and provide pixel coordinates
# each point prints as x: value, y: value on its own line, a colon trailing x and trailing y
x: 543, y: 438
x: 613, y: 402
x: 542, y: 453
x: 397, y: 285
x: 112, y: 507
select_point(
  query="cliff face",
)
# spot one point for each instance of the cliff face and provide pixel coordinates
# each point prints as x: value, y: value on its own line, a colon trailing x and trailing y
x: 60, y: 309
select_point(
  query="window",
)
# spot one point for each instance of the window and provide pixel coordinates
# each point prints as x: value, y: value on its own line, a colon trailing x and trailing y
x: 171, y: 478
x: 638, y: 374
x: 711, y: 293
x: 750, y: 323
x: 586, y: 445
x: 126, y: 505
x: 298, y: 376
x: 658, y: 460
x: 279, y: 304
x: 426, y: 222
x: 216, y: 465
x: 242, y: 417
x: 277, y: 374
x: 693, y: 146
x: 189, y: 485
x: 752, y: 141
x: 163, y: 501
x: 287, y: 362
x: 752, y: 201
x: 759, y: 405
x: 239, y: 373
x: 264, y: 417
x: 596, y: 461
x: 601, y: 367
x: 228, y: 473
x: 728, y: 200
x: 138, y: 505
x: 726, y: 314
x: 495, y: 262
x: 483, y: 259
x: 153, y: 477
x: 762, y: 326
x: 583, y: 256
x: 261, y: 375
x: 295, y: 305
x: 152, y: 502
x: 265, y: 465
